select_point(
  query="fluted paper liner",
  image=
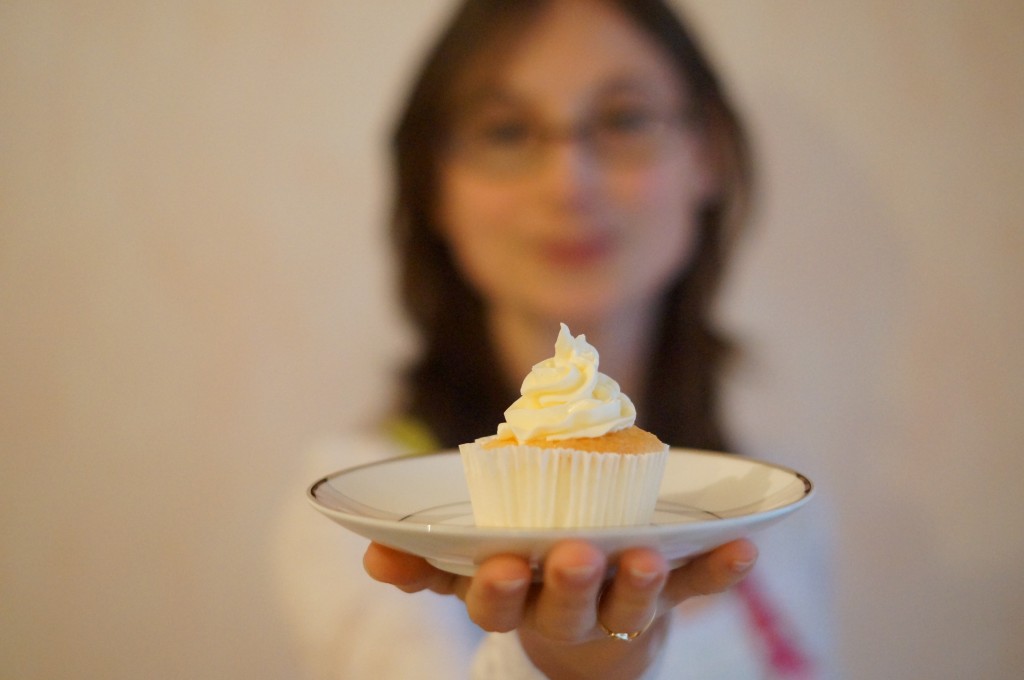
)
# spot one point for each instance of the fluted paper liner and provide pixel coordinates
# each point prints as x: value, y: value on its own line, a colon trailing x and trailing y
x: 526, y: 486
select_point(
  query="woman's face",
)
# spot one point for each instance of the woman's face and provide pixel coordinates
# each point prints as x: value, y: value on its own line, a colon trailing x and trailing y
x: 571, y: 188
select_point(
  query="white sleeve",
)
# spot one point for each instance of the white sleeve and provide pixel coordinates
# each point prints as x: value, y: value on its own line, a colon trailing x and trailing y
x: 795, y: 568
x: 344, y: 624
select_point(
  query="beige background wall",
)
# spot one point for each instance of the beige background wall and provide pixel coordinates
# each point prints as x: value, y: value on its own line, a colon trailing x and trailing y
x: 194, y: 284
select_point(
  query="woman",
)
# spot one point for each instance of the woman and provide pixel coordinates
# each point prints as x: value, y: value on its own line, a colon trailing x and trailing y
x: 571, y: 161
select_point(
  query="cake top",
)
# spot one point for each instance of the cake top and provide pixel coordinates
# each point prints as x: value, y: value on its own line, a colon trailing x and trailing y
x: 566, y: 397
x: 626, y: 441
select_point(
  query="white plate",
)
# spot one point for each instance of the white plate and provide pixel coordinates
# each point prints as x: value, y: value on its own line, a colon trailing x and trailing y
x: 420, y: 505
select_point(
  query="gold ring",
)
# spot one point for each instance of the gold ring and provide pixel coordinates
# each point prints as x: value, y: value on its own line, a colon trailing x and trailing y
x: 627, y: 637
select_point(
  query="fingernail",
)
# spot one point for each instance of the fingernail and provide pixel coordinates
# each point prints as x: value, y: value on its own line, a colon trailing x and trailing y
x: 641, y: 578
x: 578, y: 575
x: 742, y: 566
x: 510, y: 586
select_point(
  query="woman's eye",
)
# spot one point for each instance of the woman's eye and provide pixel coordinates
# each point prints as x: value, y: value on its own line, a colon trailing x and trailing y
x: 626, y: 121
x: 505, y: 133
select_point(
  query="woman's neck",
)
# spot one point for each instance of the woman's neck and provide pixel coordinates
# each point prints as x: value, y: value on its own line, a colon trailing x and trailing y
x: 623, y: 341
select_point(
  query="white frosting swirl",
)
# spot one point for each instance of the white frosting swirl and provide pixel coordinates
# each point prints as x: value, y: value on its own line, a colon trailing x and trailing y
x: 565, y: 397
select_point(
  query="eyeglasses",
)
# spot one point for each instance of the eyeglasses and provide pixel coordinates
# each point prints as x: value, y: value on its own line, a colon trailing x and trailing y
x: 509, y: 145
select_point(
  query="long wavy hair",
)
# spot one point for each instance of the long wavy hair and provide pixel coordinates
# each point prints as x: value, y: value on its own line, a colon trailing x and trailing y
x: 454, y: 387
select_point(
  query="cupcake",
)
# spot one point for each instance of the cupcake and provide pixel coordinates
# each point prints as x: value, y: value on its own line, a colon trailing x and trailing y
x: 568, y: 453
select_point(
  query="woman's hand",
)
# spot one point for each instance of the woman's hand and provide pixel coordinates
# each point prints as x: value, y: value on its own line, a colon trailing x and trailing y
x: 565, y: 621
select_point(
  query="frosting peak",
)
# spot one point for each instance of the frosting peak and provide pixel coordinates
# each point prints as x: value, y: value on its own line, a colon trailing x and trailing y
x: 565, y: 397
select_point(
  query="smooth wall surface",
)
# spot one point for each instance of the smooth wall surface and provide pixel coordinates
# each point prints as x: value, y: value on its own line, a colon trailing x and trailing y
x: 194, y: 284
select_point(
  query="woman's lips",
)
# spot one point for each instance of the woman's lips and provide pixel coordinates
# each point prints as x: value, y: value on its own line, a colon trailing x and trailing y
x: 576, y: 253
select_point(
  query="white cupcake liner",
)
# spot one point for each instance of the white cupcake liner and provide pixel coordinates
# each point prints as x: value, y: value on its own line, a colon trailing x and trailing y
x: 526, y: 486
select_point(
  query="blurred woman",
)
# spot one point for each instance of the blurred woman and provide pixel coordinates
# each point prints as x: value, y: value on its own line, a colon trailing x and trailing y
x: 563, y: 161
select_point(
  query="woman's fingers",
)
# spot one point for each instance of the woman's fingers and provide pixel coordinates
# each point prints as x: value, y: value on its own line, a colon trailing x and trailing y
x: 566, y: 606
x: 713, y: 572
x: 407, y: 572
x: 573, y: 602
x: 630, y: 601
x: 496, y: 597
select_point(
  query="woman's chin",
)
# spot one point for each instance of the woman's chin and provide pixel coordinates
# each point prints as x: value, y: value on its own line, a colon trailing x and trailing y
x: 582, y: 309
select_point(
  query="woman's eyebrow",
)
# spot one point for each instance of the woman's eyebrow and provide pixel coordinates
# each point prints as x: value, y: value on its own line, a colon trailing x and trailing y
x: 486, y: 96
x: 629, y: 84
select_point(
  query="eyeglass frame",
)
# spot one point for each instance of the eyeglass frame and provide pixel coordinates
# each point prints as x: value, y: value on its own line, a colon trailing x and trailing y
x: 585, y: 132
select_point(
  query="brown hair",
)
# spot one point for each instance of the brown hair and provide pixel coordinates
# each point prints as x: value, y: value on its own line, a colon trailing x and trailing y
x: 455, y: 387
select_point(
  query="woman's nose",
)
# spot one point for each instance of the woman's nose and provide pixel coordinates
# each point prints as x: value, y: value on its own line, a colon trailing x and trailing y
x: 570, y: 171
